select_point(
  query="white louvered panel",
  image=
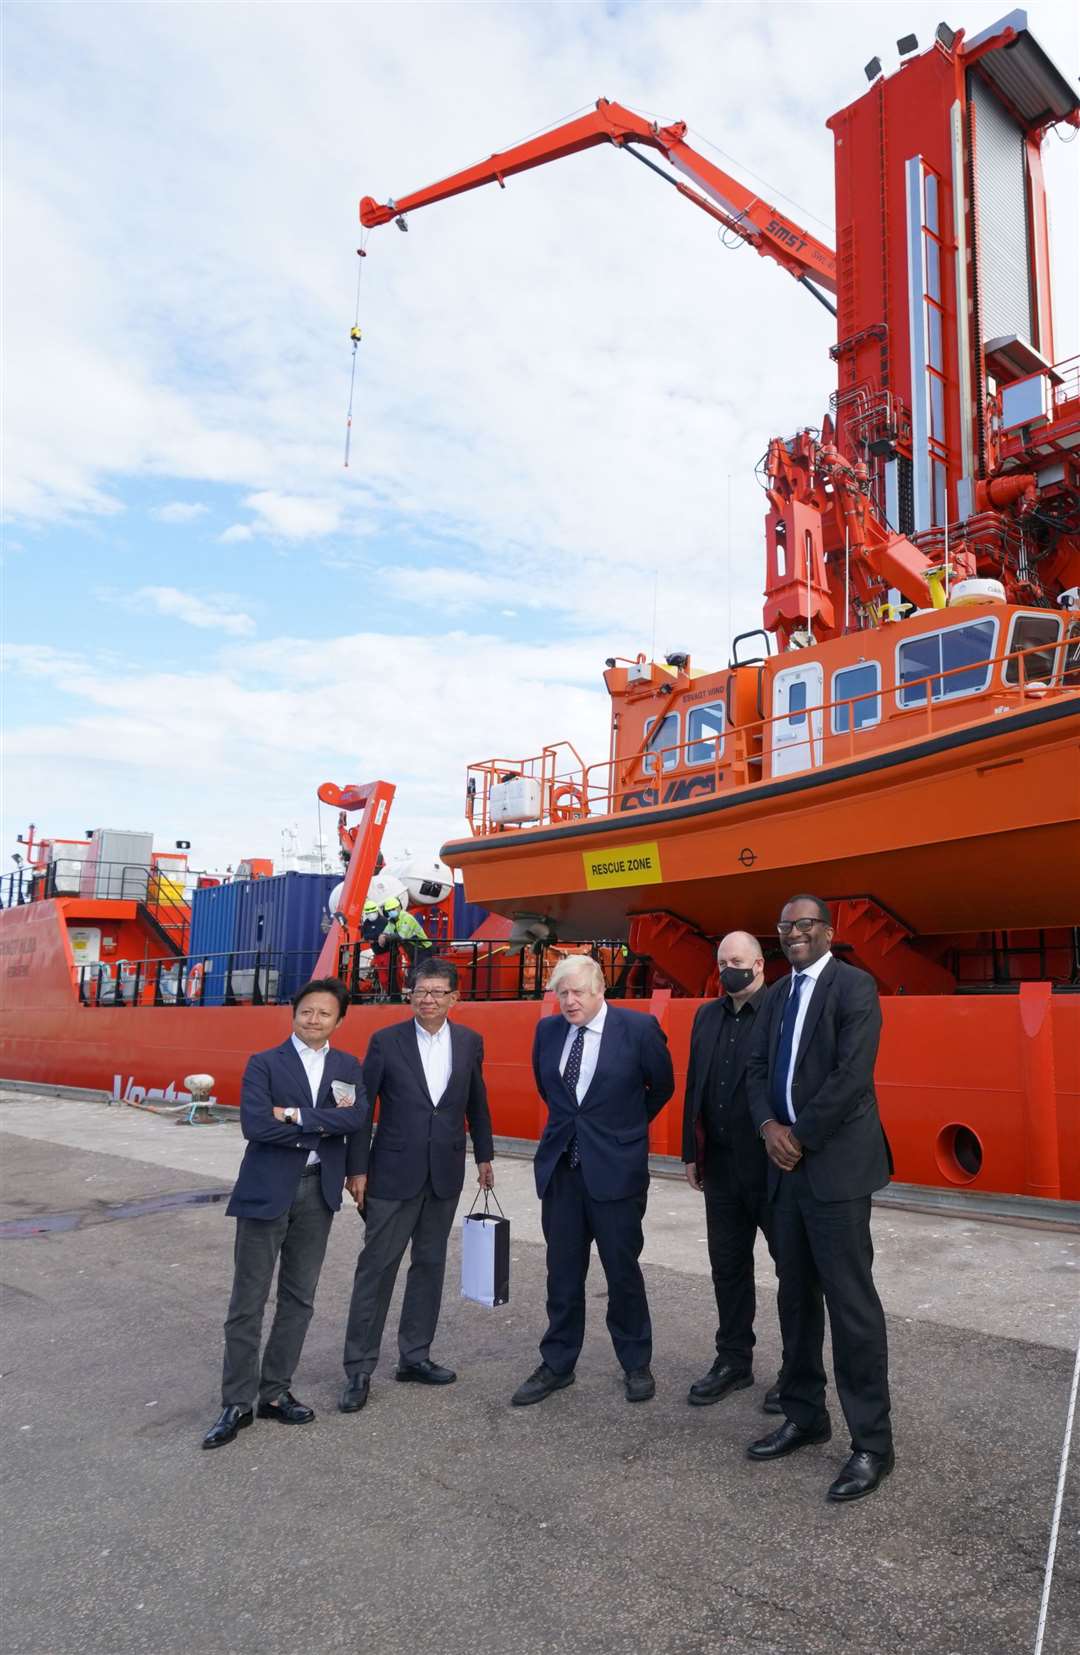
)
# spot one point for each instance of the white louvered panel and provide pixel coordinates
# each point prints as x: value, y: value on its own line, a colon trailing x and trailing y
x: 1004, y: 274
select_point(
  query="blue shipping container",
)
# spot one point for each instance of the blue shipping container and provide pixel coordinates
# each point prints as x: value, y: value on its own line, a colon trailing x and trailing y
x: 282, y: 918
x: 468, y: 916
x: 278, y: 920
x: 213, y: 935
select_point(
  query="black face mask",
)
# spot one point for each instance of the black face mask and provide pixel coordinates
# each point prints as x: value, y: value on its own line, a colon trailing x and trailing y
x: 736, y: 977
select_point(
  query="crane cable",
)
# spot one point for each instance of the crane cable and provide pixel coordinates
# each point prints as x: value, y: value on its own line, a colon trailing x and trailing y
x: 355, y: 336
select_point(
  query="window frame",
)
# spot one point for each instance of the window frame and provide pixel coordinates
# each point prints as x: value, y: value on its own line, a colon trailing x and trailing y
x: 1053, y: 648
x: 928, y: 696
x: 716, y: 739
x: 873, y: 665
x: 671, y: 751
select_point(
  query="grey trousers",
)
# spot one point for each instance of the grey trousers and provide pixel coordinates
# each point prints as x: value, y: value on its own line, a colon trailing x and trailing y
x: 426, y: 1221
x: 298, y: 1238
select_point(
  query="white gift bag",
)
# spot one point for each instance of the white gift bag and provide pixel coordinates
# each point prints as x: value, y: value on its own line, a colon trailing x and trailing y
x: 485, y: 1255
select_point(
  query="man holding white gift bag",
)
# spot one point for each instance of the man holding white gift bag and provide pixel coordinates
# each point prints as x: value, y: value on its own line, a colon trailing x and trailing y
x: 427, y: 1074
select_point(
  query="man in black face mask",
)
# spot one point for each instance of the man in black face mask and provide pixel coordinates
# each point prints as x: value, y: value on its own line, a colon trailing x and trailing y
x: 724, y: 1156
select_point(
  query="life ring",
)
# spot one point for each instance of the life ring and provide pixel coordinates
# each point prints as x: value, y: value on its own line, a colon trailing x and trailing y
x: 567, y: 801
x: 193, y: 987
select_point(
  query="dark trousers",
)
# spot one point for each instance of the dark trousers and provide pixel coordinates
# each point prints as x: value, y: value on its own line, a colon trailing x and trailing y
x: 734, y: 1213
x: 296, y: 1243
x: 572, y: 1221
x: 425, y: 1220
x: 825, y: 1257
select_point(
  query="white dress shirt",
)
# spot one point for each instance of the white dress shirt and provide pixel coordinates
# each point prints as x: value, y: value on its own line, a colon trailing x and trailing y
x: 590, y: 1052
x: 806, y: 994
x: 437, y: 1058
x: 314, y: 1061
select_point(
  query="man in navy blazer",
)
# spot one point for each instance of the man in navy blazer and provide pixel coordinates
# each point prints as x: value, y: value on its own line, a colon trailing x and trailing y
x: 299, y: 1103
x: 427, y: 1074
x: 812, y: 1098
x: 604, y: 1073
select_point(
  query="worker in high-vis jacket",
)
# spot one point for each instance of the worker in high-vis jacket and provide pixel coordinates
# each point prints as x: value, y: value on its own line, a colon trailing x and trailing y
x: 404, y: 928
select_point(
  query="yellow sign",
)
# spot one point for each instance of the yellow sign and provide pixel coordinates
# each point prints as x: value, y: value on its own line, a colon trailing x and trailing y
x: 626, y: 865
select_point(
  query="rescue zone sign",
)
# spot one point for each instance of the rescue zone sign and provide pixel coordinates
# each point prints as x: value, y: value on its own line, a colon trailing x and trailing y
x: 625, y: 865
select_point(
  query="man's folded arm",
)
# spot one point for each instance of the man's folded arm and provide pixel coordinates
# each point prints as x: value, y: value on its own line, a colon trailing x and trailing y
x: 257, y: 1121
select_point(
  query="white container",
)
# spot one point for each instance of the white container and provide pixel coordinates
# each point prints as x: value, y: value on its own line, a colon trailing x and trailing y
x: 517, y: 800
x: 118, y: 865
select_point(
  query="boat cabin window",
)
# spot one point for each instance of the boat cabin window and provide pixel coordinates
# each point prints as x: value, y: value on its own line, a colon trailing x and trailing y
x: 864, y: 682
x: 967, y: 647
x: 662, y: 737
x: 796, y: 702
x: 1071, y: 675
x: 705, y: 733
x: 1028, y: 633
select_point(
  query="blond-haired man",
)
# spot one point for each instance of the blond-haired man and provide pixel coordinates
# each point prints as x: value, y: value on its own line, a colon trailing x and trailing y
x: 604, y: 1073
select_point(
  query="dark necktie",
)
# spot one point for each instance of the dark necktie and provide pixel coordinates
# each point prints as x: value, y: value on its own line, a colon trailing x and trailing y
x: 783, y: 1050
x: 571, y: 1075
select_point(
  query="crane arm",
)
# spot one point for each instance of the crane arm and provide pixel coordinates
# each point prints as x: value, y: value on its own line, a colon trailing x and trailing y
x: 770, y: 232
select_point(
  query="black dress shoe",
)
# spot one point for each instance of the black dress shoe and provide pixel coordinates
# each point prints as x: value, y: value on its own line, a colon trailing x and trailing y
x: 425, y: 1373
x: 640, y: 1384
x: 224, y: 1429
x: 771, y: 1404
x: 721, y: 1378
x: 541, y: 1384
x: 861, y: 1475
x: 286, y: 1410
x: 355, y: 1394
x: 786, y: 1440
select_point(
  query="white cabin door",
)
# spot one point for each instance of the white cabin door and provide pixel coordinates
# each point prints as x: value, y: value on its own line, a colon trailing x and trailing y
x: 796, y: 730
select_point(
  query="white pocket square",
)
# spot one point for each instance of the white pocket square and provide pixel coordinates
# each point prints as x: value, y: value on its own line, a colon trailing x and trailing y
x: 344, y: 1092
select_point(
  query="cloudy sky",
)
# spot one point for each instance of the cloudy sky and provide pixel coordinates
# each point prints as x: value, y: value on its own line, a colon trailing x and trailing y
x: 561, y: 393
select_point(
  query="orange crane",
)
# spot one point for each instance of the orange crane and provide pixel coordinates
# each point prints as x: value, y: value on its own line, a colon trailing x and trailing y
x: 770, y: 232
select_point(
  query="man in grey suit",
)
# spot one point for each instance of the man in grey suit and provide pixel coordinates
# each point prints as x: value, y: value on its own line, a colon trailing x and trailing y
x: 428, y: 1076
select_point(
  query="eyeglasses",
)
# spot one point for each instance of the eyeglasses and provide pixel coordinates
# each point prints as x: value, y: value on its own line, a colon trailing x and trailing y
x: 804, y: 926
x: 431, y: 993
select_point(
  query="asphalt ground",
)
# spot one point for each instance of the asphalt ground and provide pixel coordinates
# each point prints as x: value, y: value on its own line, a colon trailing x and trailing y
x: 440, y: 1522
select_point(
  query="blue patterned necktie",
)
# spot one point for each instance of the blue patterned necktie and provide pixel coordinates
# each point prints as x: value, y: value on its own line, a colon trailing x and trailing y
x: 783, y: 1050
x: 571, y: 1075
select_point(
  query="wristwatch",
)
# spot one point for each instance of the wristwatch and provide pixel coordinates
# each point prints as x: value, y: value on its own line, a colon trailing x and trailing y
x: 294, y: 1116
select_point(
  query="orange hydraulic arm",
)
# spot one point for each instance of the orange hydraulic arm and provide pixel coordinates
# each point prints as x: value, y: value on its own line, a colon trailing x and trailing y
x: 770, y: 232
x: 374, y: 799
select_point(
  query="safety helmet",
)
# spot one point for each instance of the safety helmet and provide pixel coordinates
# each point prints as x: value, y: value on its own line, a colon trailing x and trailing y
x: 370, y: 908
x: 391, y: 905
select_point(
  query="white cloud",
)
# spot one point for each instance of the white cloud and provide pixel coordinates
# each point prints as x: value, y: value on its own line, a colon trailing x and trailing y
x: 215, y: 614
x: 230, y: 754
x: 236, y: 533
x: 179, y: 511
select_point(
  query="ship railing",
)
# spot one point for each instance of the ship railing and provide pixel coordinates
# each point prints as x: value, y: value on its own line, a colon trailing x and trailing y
x: 749, y: 753
x: 487, y: 970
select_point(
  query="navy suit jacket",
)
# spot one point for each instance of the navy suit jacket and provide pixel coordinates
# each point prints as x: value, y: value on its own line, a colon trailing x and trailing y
x: 836, y: 1114
x: 277, y: 1151
x: 416, y: 1140
x: 632, y: 1083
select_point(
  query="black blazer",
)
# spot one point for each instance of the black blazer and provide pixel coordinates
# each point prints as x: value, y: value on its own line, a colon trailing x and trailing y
x: 632, y: 1083
x: 277, y: 1152
x: 744, y: 1142
x: 837, y: 1123
x: 415, y: 1140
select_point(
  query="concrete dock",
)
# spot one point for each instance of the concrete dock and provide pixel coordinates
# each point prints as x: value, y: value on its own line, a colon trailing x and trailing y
x: 444, y: 1522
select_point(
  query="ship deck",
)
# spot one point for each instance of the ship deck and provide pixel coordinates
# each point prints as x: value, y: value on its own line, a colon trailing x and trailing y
x: 445, y: 1522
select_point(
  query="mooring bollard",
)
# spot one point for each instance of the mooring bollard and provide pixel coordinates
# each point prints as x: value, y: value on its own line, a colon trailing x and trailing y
x: 200, y: 1087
